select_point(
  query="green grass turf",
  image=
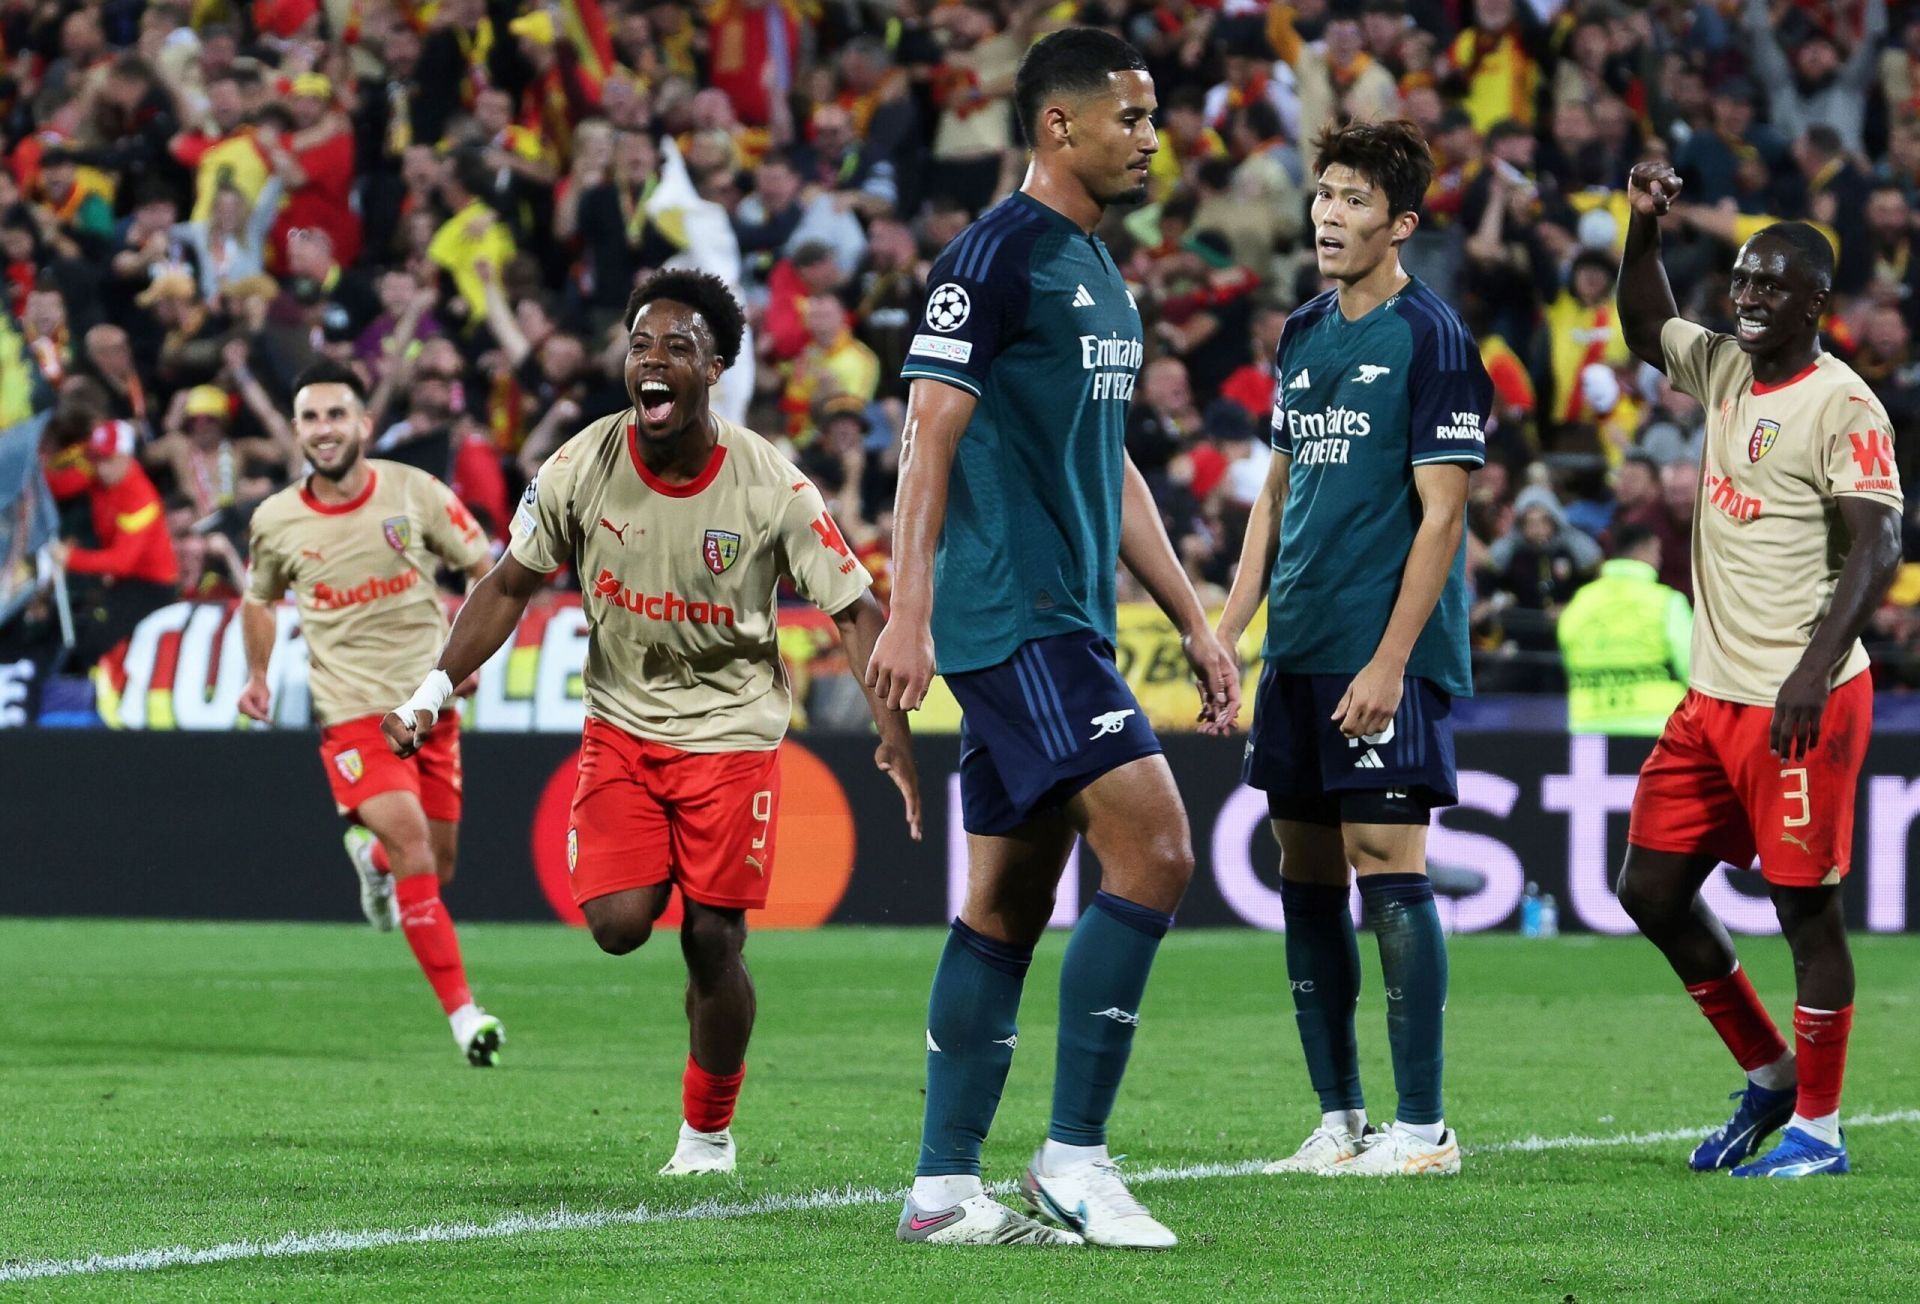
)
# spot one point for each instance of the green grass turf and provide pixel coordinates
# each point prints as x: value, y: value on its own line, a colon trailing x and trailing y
x: 193, y: 1084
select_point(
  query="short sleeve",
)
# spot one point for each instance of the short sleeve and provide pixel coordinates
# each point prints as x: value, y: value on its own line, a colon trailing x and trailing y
x: 818, y: 558
x: 1449, y: 397
x: 451, y: 531
x: 266, y: 569
x: 1278, y: 434
x: 1688, y: 350
x: 976, y: 306
x: 1860, y: 458
x: 543, y: 532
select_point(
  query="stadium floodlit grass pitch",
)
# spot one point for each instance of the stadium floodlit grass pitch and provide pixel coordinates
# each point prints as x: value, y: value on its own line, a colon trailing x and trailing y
x: 287, y: 1099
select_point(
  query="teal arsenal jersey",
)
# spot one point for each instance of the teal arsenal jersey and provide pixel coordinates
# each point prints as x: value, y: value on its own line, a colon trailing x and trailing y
x: 1028, y: 313
x: 1357, y: 405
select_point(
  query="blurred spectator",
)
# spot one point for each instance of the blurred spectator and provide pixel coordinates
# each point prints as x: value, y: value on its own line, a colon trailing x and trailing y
x: 1542, y: 560
x: 1819, y: 83
x: 886, y: 296
x: 832, y: 363
x: 132, y: 570
x: 1581, y: 330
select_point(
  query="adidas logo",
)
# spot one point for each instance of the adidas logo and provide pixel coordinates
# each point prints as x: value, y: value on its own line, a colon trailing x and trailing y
x: 1300, y: 382
x: 1081, y: 299
x: 1370, y: 760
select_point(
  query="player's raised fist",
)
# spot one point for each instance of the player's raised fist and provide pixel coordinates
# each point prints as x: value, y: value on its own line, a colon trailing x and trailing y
x: 1652, y: 187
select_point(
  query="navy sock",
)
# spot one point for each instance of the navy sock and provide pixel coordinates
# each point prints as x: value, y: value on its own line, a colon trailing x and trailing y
x: 1413, y: 964
x: 1323, y: 968
x: 970, y: 1039
x: 1101, y: 983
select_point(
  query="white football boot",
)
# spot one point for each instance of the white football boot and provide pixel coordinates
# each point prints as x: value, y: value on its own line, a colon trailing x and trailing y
x: 977, y: 1220
x: 1397, y: 1152
x: 700, y: 1152
x: 478, y: 1034
x: 1324, y: 1147
x: 1091, y: 1199
x: 376, y: 889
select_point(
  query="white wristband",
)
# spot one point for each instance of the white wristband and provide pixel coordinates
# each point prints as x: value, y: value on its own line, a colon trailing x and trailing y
x: 429, y: 697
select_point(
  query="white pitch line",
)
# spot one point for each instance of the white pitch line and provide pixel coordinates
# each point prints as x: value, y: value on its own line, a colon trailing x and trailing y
x: 293, y: 1245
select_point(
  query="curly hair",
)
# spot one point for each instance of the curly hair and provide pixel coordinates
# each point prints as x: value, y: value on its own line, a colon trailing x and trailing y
x: 707, y: 295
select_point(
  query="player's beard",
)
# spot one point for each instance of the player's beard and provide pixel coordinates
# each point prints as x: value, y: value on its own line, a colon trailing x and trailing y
x: 340, y: 472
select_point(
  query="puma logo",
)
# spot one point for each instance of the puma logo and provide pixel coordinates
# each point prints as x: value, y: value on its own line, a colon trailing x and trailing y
x: 618, y: 532
x: 312, y: 554
x: 1788, y: 837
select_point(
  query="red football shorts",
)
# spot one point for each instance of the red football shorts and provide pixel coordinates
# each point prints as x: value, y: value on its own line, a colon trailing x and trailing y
x: 1713, y: 786
x: 360, y: 765
x: 644, y: 812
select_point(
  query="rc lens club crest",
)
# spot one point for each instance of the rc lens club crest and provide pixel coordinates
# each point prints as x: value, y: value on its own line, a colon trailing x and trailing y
x: 720, y: 549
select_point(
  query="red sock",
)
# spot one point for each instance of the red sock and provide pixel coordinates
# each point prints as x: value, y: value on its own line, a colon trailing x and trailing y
x: 1741, y: 1020
x: 380, y: 861
x: 1820, y: 1039
x: 706, y: 1099
x: 430, y: 933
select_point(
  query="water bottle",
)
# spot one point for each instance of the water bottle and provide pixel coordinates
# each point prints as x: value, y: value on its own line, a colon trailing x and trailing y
x: 1549, y: 916
x: 1530, y: 910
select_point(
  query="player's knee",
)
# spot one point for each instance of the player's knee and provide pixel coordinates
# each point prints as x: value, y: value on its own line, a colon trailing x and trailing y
x: 1647, y: 904
x: 1172, y: 863
x: 617, y: 928
x: 408, y: 858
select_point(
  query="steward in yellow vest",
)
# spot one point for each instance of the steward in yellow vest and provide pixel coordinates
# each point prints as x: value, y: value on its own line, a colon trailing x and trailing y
x: 1625, y: 640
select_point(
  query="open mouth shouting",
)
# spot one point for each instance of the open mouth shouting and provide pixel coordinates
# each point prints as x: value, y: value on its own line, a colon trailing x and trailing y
x: 655, y: 402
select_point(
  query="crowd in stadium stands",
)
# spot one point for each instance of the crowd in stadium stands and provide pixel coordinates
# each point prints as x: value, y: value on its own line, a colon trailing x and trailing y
x: 201, y: 196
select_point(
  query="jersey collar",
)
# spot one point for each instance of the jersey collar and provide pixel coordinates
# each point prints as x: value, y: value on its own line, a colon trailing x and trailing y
x: 339, y: 509
x: 1053, y: 215
x: 1761, y: 387
x: 659, y: 486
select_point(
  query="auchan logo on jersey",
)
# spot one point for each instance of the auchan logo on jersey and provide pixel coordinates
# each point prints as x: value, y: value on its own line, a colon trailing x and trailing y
x: 328, y: 598
x: 1741, y: 507
x: 669, y: 606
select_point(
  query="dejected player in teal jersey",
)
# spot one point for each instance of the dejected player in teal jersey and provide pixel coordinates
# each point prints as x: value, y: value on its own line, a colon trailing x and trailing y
x: 1379, y: 403
x: 1016, y: 504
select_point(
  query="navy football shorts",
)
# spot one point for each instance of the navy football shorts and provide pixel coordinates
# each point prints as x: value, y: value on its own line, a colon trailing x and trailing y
x: 1313, y: 773
x: 1042, y: 725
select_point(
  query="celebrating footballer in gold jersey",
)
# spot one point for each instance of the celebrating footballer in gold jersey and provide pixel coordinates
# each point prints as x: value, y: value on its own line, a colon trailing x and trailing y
x: 681, y: 527
x: 358, y: 543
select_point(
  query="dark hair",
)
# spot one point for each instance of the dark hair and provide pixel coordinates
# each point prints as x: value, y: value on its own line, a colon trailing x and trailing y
x: 1824, y: 139
x: 807, y: 254
x: 1216, y: 173
x: 1072, y: 61
x: 470, y: 171
x: 707, y: 295
x: 1630, y: 538
x: 1814, y: 249
x: 1591, y: 257
x: 328, y: 372
x: 1392, y: 155
x: 1262, y: 119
